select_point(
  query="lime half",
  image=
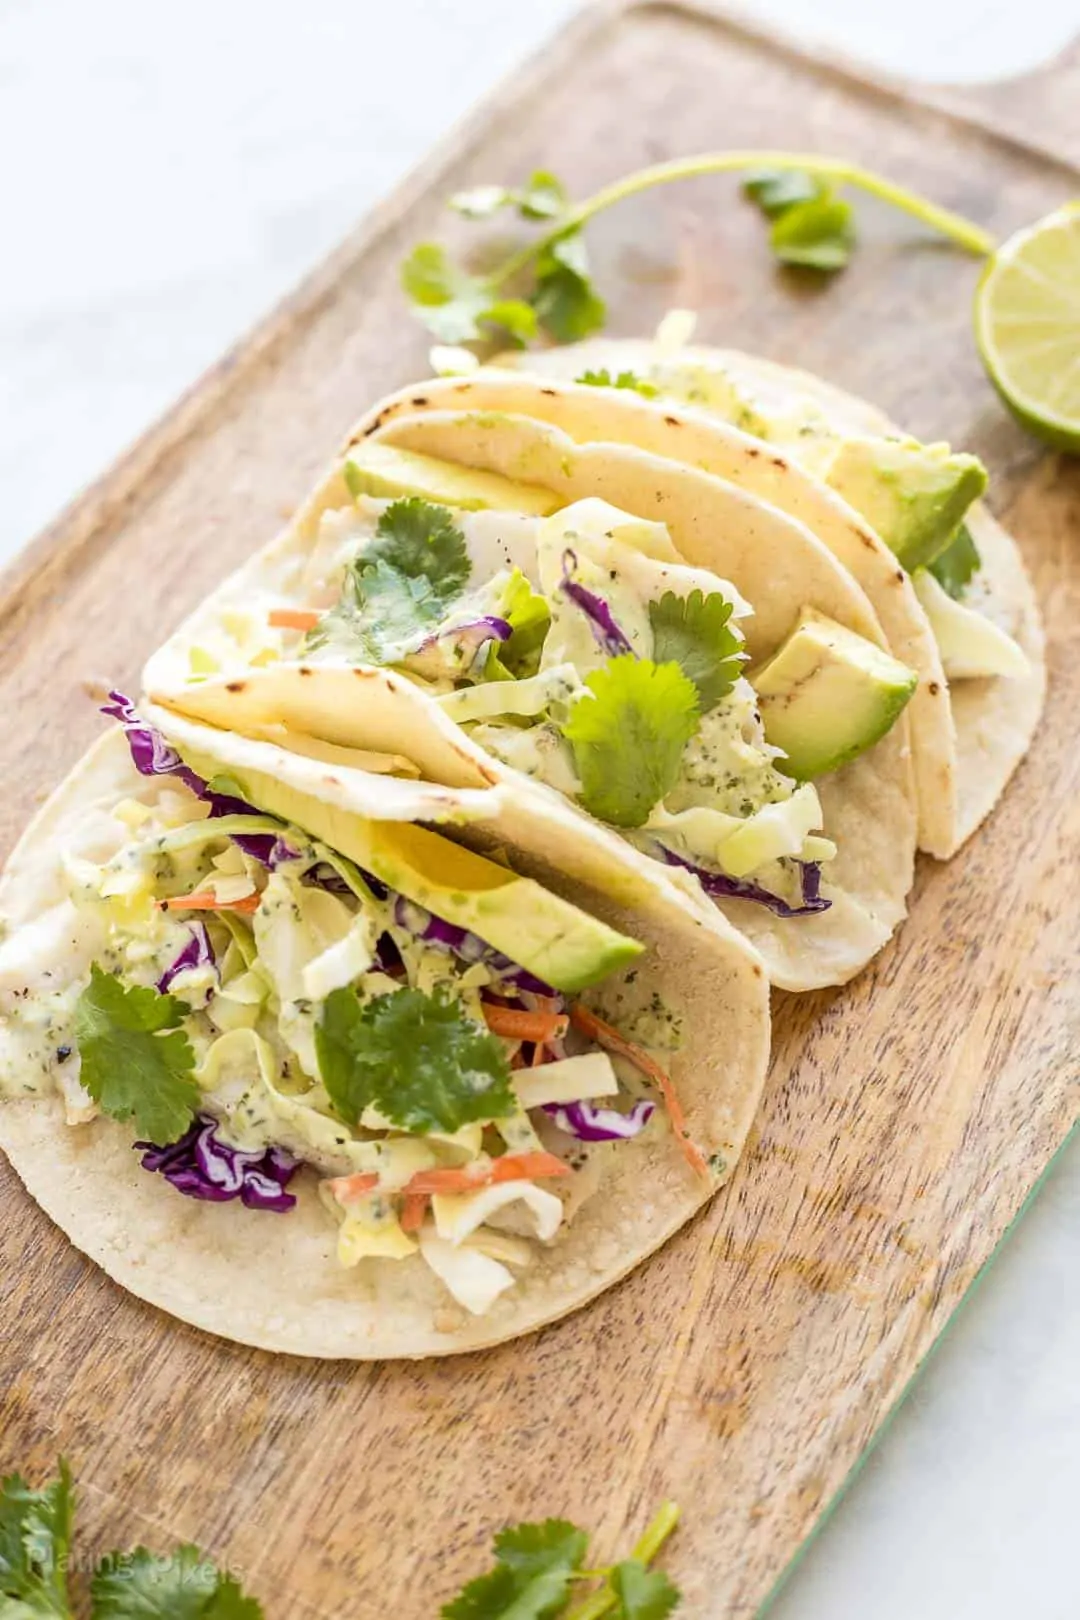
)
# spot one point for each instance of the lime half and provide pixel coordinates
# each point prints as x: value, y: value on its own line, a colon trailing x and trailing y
x: 1027, y: 326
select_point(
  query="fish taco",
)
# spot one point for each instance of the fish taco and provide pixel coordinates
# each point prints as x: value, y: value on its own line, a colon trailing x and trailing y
x: 648, y: 643
x: 945, y: 578
x: 300, y: 1070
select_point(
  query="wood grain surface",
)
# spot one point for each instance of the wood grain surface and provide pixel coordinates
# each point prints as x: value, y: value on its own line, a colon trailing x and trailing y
x: 745, y: 1369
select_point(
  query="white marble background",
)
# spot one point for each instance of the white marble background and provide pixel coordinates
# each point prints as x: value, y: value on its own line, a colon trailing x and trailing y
x: 166, y: 173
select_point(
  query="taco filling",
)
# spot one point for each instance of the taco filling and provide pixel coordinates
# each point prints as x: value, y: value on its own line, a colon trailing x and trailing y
x: 255, y: 1009
x: 580, y: 650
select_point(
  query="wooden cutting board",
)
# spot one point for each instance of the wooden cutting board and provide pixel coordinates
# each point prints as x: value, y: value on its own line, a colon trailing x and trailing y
x: 745, y: 1369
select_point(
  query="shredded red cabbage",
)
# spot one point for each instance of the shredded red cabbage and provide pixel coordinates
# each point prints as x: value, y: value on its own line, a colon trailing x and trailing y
x: 467, y: 946
x: 200, y: 1166
x: 590, y: 1123
x: 198, y: 952
x: 153, y: 756
x: 477, y: 631
x: 606, y: 632
x: 720, y: 886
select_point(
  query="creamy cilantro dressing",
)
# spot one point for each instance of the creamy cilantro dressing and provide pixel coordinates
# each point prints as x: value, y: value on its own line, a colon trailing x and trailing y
x: 728, y: 771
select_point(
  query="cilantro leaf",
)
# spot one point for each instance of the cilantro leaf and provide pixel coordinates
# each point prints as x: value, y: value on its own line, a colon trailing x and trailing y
x: 417, y: 537
x: 643, y: 1594
x: 693, y: 631
x: 456, y: 305
x: 531, y: 1579
x: 401, y: 585
x: 512, y: 315
x: 480, y: 202
x: 811, y: 226
x: 417, y: 1058
x: 130, y: 1066
x: 564, y: 298
x: 529, y: 617
x: 623, y: 379
x: 184, y: 1585
x: 956, y: 566
x: 545, y: 196
x: 447, y: 298
x: 628, y: 736
x: 35, y: 1535
x: 819, y: 234
x: 776, y: 190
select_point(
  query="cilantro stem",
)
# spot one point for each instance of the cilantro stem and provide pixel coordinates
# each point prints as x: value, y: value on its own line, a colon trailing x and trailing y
x: 656, y: 1532
x: 645, y: 1550
x: 964, y: 232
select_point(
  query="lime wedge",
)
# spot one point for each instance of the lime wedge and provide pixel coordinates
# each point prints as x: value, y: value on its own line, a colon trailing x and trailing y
x: 1027, y: 326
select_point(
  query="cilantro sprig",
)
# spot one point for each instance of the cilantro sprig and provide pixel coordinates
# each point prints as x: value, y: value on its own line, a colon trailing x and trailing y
x: 35, y: 1536
x: 628, y: 735
x: 136, y: 1061
x: 695, y: 632
x: 401, y: 585
x: 414, y: 1057
x: 35, y: 1547
x: 539, y: 1567
x: 545, y: 285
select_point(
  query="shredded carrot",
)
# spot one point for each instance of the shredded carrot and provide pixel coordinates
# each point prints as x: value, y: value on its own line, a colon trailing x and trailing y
x: 207, y: 900
x: 445, y: 1179
x: 527, y: 1167
x: 539, y: 1055
x: 510, y: 1167
x: 597, y: 1030
x: 294, y: 618
x: 519, y: 1025
x: 413, y: 1211
x: 354, y: 1186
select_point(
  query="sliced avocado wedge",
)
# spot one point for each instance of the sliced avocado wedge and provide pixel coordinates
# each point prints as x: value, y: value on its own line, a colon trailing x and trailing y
x: 915, y: 495
x: 827, y: 695
x: 383, y: 470
x: 550, y: 937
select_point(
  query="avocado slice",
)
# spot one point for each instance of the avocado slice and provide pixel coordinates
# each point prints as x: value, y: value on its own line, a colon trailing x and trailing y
x: 827, y: 695
x: 550, y: 937
x: 382, y: 469
x: 915, y: 495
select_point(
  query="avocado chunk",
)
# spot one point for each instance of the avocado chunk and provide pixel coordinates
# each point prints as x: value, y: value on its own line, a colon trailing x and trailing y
x: 827, y: 695
x: 382, y: 469
x: 553, y: 939
x: 915, y: 495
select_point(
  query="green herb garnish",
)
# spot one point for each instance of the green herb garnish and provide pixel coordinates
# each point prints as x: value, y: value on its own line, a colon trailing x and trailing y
x: 183, y: 1586
x: 956, y: 566
x: 401, y: 585
x: 694, y: 632
x: 539, y: 1567
x: 812, y: 226
x: 136, y: 1061
x: 416, y: 1058
x: 546, y: 285
x: 35, y: 1545
x: 35, y: 1535
x: 629, y: 734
